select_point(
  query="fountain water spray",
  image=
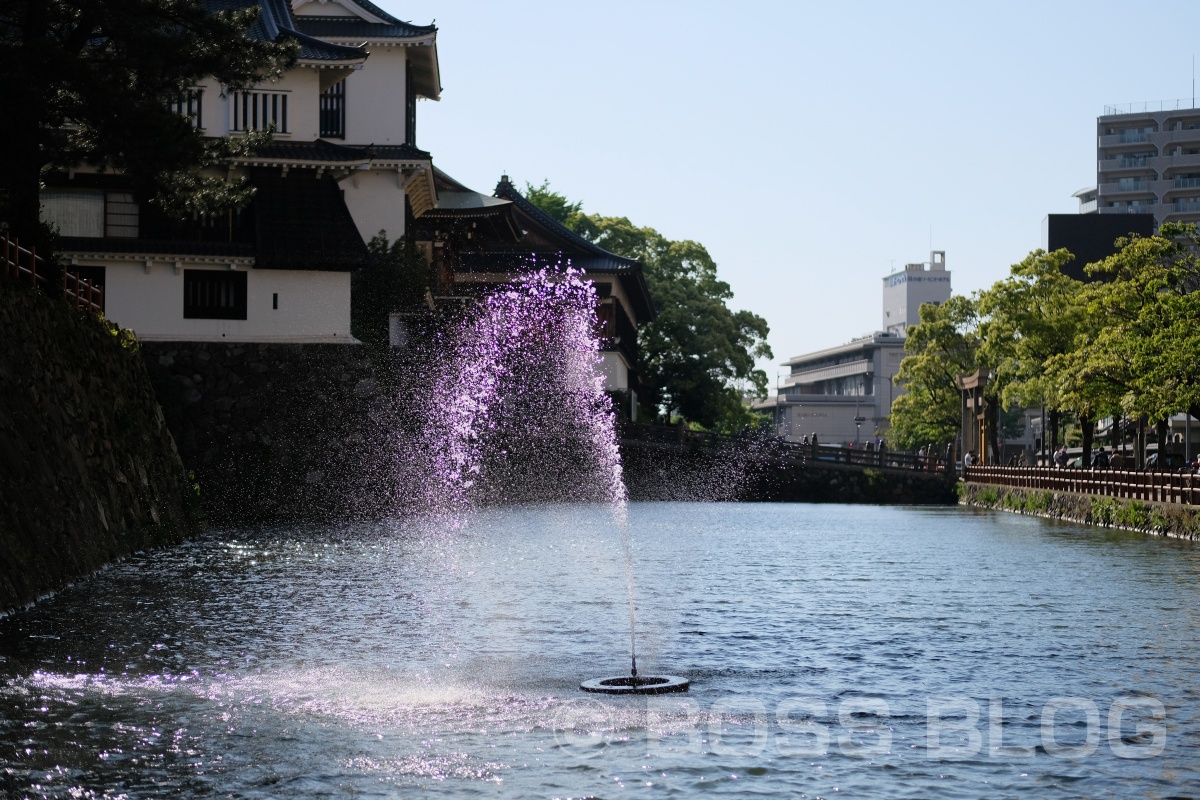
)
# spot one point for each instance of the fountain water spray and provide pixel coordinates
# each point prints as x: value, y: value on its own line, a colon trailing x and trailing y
x: 521, y: 393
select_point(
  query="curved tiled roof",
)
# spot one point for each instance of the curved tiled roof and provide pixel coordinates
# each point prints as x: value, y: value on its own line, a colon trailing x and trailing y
x: 600, y: 260
x: 569, y: 245
x: 322, y: 151
x: 276, y: 23
x: 353, y: 27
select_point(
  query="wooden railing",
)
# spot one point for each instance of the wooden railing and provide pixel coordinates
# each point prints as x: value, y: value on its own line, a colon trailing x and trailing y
x: 26, y: 266
x: 1148, y: 486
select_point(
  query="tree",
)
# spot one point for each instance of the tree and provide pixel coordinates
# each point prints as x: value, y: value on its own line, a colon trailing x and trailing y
x: 943, y: 346
x: 395, y: 277
x: 1026, y: 319
x: 1140, y: 356
x: 697, y: 358
x: 94, y: 81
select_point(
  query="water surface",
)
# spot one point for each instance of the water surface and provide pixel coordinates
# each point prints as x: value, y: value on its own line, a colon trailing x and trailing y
x: 834, y: 651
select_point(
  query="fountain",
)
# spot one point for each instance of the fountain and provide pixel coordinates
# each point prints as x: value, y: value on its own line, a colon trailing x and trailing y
x: 520, y: 393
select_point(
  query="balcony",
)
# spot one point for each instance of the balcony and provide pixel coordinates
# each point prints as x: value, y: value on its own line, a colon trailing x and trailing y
x: 1162, y: 163
x: 1164, y: 138
x: 1126, y: 163
x: 1137, y: 186
x: 1146, y: 209
x: 1125, y: 137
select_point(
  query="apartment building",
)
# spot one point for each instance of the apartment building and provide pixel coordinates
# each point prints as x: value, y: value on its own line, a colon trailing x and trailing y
x: 1148, y: 161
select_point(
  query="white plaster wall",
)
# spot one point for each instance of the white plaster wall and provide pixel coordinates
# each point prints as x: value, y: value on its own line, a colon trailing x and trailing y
x: 375, y: 98
x: 304, y: 112
x: 615, y: 371
x: 313, y: 306
x: 375, y: 199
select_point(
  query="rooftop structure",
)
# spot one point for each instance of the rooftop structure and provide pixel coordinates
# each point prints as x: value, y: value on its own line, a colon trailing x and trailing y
x: 905, y: 290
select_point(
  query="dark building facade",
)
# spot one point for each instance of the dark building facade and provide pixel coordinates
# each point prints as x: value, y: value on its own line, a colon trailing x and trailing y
x: 1091, y: 237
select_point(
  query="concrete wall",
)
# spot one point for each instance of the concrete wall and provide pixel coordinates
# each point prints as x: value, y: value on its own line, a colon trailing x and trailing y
x: 88, y: 469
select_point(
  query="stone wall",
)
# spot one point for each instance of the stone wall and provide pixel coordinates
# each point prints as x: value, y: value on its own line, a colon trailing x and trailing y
x: 751, y: 471
x: 281, y: 432
x: 1164, y: 519
x: 88, y: 469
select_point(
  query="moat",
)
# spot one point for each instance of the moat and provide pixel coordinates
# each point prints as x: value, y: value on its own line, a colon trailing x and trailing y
x: 833, y: 650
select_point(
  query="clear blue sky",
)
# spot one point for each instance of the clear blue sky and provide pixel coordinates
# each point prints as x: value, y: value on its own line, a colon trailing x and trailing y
x: 807, y: 145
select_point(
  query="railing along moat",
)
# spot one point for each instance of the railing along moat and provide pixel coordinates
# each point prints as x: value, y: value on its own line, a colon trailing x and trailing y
x: 1147, y: 486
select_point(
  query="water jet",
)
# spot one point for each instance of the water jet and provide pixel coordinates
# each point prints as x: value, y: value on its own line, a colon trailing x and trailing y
x: 520, y: 414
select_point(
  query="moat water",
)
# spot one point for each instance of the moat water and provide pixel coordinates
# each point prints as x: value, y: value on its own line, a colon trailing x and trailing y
x: 834, y: 651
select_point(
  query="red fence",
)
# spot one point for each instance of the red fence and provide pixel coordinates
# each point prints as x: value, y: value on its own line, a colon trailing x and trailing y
x: 26, y: 266
x: 1155, y: 487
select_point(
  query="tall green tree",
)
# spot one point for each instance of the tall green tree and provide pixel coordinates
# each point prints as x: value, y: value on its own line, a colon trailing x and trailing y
x: 93, y: 81
x: 698, y: 356
x: 943, y: 346
x: 1027, y: 319
x: 1140, y: 356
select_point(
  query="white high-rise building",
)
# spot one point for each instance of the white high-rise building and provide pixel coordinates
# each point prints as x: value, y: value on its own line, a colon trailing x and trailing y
x: 1148, y: 161
x: 905, y: 290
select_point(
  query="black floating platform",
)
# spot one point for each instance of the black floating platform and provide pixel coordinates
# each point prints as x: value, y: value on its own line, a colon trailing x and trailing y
x: 625, y: 684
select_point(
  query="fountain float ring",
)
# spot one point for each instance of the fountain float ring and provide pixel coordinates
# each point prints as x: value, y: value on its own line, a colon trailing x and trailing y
x: 629, y: 684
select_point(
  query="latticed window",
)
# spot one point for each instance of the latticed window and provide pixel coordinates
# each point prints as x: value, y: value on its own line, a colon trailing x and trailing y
x: 259, y: 111
x: 190, y: 107
x: 333, y: 111
x: 214, y: 294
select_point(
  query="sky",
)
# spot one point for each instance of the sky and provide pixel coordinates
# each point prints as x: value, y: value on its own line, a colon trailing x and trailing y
x: 811, y: 147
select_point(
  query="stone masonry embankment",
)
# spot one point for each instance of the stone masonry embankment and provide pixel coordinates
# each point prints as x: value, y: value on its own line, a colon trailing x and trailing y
x: 284, y: 432
x: 1164, y: 519
x: 88, y: 469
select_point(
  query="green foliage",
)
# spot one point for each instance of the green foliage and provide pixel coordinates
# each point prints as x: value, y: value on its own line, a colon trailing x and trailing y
x: 1039, y: 501
x: 112, y: 70
x: 126, y: 338
x: 1133, y: 514
x: 697, y: 359
x: 1104, y: 511
x: 1027, y: 318
x: 989, y: 496
x: 1139, y: 357
x: 396, y: 277
x: 938, y: 350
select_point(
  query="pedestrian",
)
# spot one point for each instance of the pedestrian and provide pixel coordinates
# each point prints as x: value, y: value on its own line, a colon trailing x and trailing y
x: 1115, y: 459
x: 1101, y: 460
